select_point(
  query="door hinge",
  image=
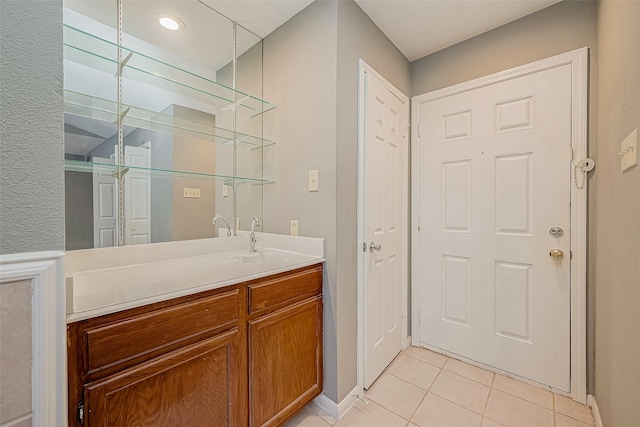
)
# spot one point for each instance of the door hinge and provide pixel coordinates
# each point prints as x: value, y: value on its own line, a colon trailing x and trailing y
x: 419, y: 130
x: 364, y: 247
x: 419, y: 316
x: 419, y: 224
x: 80, y: 412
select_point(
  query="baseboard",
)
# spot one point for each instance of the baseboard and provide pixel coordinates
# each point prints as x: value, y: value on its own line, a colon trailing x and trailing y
x: 337, y: 410
x: 591, y: 402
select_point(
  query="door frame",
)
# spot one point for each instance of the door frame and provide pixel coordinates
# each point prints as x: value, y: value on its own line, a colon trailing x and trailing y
x: 363, y: 69
x: 578, y: 59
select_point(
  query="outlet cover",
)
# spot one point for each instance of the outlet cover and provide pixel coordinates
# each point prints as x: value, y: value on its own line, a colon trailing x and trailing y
x: 629, y: 151
x: 294, y: 228
x: 191, y: 193
x: 313, y: 180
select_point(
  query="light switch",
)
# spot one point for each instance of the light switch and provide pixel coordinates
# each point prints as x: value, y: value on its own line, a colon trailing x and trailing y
x: 629, y: 151
x: 294, y: 228
x: 225, y: 190
x: 313, y: 180
x: 191, y: 193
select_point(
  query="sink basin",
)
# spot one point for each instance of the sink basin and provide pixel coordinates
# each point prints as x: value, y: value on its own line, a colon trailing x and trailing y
x: 258, y: 257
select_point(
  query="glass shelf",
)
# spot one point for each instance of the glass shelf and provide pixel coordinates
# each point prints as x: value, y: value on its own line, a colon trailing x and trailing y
x: 100, y: 54
x: 115, y: 170
x: 102, y: 109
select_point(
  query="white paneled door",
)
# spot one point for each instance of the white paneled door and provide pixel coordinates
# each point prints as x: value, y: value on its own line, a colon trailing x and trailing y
x: 494, y: 191
x: 105, y: 208
x: 384, y: 217
x: 137, y: 196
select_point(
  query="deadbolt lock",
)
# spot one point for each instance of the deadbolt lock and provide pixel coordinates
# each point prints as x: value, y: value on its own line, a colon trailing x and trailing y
x: 556, y: 232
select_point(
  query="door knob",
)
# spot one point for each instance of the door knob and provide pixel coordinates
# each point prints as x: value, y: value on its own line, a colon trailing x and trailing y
x: 374, y: 247
x: 556, y: 254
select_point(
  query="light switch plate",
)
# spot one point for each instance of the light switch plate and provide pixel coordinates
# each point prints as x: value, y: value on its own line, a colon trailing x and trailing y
x: 313, y: 180
x: 294, y: 228
x: 629, y: 151
x: 191, y: 193
x: 225, y: 190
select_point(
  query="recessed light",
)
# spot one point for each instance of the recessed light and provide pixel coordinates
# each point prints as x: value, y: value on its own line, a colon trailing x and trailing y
x: 170, y: 22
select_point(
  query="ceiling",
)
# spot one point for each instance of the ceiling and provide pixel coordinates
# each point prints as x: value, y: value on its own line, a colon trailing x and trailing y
x: 417, y: 27
x: 421, y: 27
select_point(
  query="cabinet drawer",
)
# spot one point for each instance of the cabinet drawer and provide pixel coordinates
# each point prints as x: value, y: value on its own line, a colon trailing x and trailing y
x: 284, y: 290
x: 141, y: 337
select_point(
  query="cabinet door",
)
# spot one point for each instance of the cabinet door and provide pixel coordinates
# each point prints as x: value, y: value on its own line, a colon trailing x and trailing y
x: 285, y: 362
x: 195, y: 386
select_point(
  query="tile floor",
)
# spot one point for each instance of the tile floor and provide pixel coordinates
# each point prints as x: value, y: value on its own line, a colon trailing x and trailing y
x: 423, y: 388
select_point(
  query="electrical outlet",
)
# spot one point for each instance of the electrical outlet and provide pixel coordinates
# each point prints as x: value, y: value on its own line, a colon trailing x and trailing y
x: 629, y: 151
x: 294, y: 228
x: 313, y: 180
x: 191, y: 193
x: 225, y: 190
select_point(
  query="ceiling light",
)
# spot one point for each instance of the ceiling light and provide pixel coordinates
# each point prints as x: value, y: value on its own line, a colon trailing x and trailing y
x: 170, y: 22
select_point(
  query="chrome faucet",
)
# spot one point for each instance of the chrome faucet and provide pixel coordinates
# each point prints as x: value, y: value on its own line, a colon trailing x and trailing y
x: 252, y: 238
x: 225, y: 222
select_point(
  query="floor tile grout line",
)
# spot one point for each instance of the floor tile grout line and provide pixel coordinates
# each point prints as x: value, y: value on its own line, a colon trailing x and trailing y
x: 493, y: 374
x: 457, y: 404
x: 425, y: 395
x: 571, y: 416
x: 527, y: 400
x: 448, y: 400
x: 390, y: 410
x: 422, y: 348
x: 486, y: 403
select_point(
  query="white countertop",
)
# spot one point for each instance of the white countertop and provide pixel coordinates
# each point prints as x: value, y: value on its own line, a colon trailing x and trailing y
x: 103, y: 281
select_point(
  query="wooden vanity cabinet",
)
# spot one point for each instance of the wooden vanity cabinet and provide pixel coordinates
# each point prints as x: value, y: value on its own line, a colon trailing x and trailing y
x: 177, y: 362
x: 285, y: 346
x: 247, y: 354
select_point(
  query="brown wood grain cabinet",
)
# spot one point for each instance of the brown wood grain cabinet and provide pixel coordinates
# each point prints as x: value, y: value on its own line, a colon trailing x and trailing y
x: 244, y: 355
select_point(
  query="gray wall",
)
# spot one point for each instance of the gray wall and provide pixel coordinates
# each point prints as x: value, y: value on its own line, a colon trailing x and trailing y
x: 78, y: 210
x: 554, y: 30
x: 300, y: 78
x: 31, y: 176
x: 358, y: 37
x: 31, y: 129
x: 311, y: 74
x: 557, y: 29
x: 617, y: 256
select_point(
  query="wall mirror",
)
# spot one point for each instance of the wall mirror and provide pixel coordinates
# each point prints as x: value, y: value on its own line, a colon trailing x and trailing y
x: 163, y: 126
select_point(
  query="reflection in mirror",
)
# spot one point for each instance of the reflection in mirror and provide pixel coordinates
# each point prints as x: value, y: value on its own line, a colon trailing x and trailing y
x: 156, y: 139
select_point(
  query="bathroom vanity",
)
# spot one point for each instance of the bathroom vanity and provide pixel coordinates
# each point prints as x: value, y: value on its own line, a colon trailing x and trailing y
x: 221, y: 353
